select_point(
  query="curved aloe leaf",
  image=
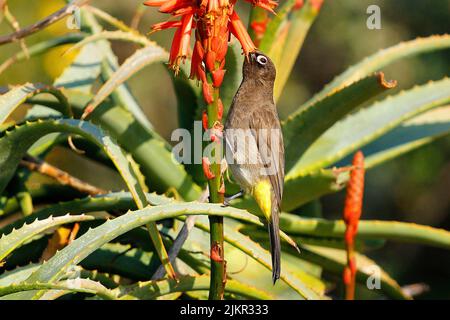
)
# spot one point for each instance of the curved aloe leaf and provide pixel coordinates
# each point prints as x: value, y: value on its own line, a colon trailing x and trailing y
x: 320, y: 241
x: 84, y: 70
x: 301, y: 282
x: 303, y: 127
x: 18, y: 95
x: 17, y: 275
x: 123, y: 260
x: 413, y: 134
x: 16, y: 238
x: 147, y: 148
x: 122, y: 95
x: 113, y: 21
x: 368, y: 229
x: 370, y: 123
x: 334, y: 261
x: 95, y: 238
x: 382, y: 59
x: 16, y: 142
x: 299, y: 24
x: 271, y: 32
x: 155, y: 289
x: 303, y: 188
x: 71, y: 285
x: 141, y: 58
x: 120, y: 201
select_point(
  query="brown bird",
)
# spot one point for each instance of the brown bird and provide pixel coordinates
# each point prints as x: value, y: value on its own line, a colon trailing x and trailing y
x: 254, y: 145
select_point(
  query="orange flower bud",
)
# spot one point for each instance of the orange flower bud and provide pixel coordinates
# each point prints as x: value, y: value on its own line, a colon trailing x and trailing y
x: 166, y: 25
x: 207, y: 169
x: 154, y: 3
x: 218, y: 77
x: 207, y: 94
x: 298, y: 4
x: 205, y: 120
x: 210, y: 60
x: 219, y: 109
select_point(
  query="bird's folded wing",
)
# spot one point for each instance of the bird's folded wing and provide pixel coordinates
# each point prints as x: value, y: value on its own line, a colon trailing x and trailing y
x: 270, y: 147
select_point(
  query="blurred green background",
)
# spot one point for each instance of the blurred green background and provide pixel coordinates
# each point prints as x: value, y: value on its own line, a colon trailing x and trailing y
x: 413, y: 188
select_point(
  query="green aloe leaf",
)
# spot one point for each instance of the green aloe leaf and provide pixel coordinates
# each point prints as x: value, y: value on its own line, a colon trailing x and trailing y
x: 381, y: 59
x: 368, y: 124
x: 149, y: 150
x: 120, y: 201
x: 15, y: 97
x: 334, y: 261
x: 303, y: 127
x: 413, y: 134
x: 141, y: 58
x: 301, y: 189
x: 367, y: 229
x: 71, y: 285
x: 287, y: 50
x: 361, y: 245
x: 16, y: 142
x: 13, y: 240
x: 272, y: 29
x: 122, y: 95
x: 17, y: 275
x: 95, y: 238
x: 155, y: 289
x: 304, y: 284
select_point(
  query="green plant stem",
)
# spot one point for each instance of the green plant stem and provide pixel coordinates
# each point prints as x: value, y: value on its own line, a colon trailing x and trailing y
x: 218, y: 274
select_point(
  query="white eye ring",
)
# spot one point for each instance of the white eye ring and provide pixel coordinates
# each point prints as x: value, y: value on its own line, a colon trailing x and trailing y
x: 262, y: 60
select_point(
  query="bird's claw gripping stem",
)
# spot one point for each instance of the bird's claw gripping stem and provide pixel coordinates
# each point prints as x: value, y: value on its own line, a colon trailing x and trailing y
x: 227, y: 200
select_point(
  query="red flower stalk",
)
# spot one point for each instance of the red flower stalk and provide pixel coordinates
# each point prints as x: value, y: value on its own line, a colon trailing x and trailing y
x: 352, y: 214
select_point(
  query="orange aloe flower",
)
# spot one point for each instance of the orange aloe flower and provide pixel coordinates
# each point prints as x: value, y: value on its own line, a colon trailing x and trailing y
x: 213, y: 20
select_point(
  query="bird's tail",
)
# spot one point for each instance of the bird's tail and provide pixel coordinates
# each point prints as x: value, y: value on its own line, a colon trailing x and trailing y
x: 270, y: 207
x: 275, y: 246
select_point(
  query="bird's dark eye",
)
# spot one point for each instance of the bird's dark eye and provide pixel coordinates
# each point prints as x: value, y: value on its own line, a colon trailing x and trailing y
x: 262, y: 60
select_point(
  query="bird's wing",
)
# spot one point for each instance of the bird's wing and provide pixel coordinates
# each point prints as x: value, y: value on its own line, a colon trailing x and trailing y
x: 270, y: 147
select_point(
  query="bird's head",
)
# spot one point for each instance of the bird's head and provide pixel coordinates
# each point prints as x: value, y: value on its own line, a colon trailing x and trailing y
x: 258, y: 66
